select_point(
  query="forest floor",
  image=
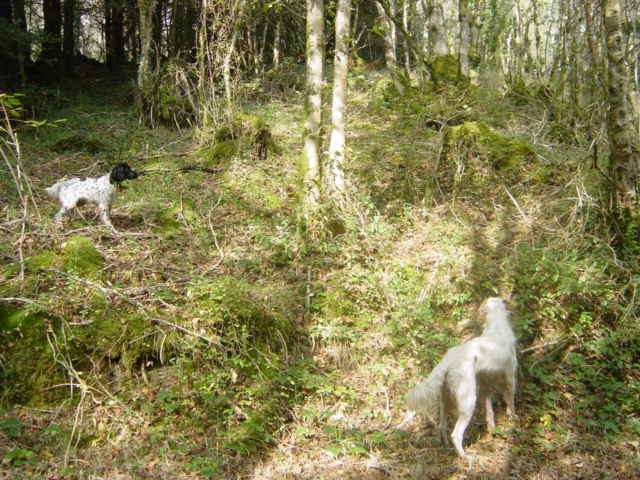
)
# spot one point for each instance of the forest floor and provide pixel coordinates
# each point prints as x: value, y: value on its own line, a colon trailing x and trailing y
x: 368, y: 312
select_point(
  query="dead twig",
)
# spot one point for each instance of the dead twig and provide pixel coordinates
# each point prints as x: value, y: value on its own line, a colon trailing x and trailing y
x: 16, y: 300
x: 188, y: 168
x: 543, y: 346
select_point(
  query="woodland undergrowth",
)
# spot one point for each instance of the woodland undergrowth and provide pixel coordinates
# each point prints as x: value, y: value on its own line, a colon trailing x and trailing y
x: 212, y: 339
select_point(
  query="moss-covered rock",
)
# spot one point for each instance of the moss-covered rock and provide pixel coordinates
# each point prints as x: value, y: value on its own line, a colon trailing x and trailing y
x: 43, y: 260
x: 242, y: 315
x: 12, y: 318
x: 473, y: 153
x: 218, y: 153
x: 445, y: 69
x: 80, y: 255
x: 28, y: 367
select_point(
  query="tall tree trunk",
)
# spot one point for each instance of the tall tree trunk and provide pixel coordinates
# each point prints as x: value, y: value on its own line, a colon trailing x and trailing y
x: 313, y: 106
x: 624, y: 158
x: 183, y: 20
x: 437, y: 35
x: 276, y: 44
x: 464, y: 40
x: 407, y: 11
x: 334, y: 177
x: 236, y: 15
x: 146, y: 65
x: 387, y: 12
x: 69, y: 35
x: 24, y: 45
x: 52, y: 27
x: 7, y: 56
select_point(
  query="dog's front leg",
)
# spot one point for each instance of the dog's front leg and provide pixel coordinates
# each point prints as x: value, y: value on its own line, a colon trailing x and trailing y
x: 105, y: 217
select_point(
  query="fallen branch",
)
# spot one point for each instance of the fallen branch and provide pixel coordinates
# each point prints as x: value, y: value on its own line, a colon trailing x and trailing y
x: 16, y: 300
x: 188, y: 168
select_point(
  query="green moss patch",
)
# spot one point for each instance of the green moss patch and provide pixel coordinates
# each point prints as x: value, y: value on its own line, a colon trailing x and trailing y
x: 241, y: 315
x: 79, y: 255
x: 172, y: 220
x: 445, y: 69
x: 78, y: 143
x: 473, y: 153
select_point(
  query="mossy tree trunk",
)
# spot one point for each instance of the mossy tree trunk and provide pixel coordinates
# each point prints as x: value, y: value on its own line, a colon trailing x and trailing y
x: 334, y: 176
x: 624, y: 158
x: 387, y: 11
x: 464, y: 38
x: 436, y: 32
x: 146, y: 65
x: 313, y: 107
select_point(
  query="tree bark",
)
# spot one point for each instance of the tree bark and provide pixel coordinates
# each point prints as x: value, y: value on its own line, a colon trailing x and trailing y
x: 236, y: 14
x: 69, y: 36
x: 52, y: 27
x: 313, y: 106
x: 464, y: 40
x: 146, y: 70
x: 24, y: 45
x: 387, y: 14
x: 335, y: 180
x: 437, y: 37
x: 624, y: 158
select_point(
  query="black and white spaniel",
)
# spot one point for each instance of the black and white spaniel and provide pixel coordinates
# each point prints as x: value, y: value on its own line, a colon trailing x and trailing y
x: 101, y: 190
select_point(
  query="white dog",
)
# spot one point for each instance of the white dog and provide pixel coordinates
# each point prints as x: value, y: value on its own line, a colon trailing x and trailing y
x: 475, y: 369
x: 100, y: 190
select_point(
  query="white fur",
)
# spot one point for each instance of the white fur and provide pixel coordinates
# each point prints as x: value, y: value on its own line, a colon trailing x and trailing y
x: 477, y: 368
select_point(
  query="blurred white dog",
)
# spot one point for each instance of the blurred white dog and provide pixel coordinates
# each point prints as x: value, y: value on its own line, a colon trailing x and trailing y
x: 476, y: 369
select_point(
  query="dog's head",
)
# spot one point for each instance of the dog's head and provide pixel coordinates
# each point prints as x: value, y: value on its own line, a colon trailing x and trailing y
x: 478, y: 321
x: 122, y: 172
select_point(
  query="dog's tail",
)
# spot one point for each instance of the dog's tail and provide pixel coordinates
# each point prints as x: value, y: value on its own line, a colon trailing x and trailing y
x: 425, y: 396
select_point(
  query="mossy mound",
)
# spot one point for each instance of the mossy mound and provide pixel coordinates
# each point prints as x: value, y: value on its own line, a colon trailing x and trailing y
x: 242, y: 316
x: 242, y: 132
x: 114, y: 337
x: 218, y: 153
x: 474, y: 154
x: 12, y: 318
x: 28, y: 368
x: 445, y: 69
x: 172, y: 220
x: 78, y: 143
x: 44, y: 260
x: 79, y: 255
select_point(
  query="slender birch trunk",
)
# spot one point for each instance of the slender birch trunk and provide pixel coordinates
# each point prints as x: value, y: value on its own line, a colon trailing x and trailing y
x: 335, y: 180
x: 313, y: 106
x: 276, y: 45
